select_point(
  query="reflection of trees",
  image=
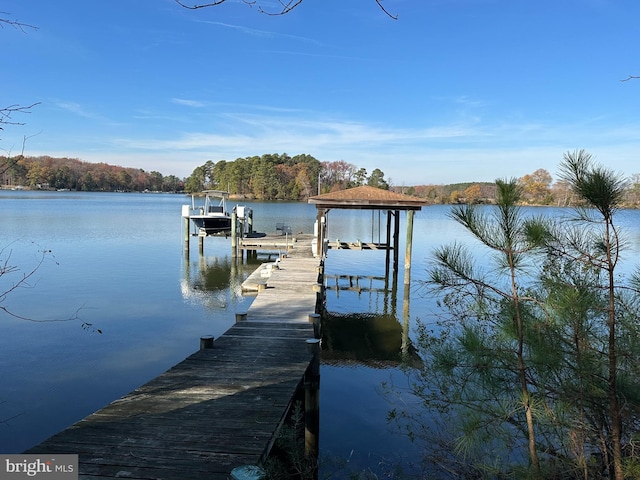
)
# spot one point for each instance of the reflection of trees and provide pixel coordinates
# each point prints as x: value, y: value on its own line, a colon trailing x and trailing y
x: 211, y: 281
x: 370, y: 338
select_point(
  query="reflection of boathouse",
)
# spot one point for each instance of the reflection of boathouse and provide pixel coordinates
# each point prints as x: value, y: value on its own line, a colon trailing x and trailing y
x: 374, y: 340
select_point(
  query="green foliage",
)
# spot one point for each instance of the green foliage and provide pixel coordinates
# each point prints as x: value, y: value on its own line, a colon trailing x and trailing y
x: 598, y: 187
x: 288, y: 459
x: 281, y: 177
x: 268, y: 177
x: 538, y: 354
x: 376, y: 179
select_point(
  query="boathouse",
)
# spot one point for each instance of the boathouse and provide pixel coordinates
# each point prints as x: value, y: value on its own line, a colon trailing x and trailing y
x: 375, y: 199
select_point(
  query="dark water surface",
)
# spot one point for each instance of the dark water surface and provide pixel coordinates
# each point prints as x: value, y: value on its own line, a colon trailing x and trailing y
x: 117, y: 266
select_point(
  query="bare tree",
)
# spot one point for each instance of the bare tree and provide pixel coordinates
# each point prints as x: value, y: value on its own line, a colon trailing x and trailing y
x: 14, y: 23
x: 285, y: 6
x: 7, y: 112
x: 12, y: 277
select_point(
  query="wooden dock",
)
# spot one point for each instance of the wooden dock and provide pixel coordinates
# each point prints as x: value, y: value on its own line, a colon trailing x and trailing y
x: 283, y: 243
x: 220, y: 408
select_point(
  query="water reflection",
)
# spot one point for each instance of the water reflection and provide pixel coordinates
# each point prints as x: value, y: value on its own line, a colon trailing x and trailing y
x: 374, y: 335
x: 212, y: 281
x: 366, y: 344
x: 374, y: 340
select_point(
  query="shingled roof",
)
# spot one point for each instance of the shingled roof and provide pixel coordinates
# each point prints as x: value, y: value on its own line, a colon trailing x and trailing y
x: 367, y: 197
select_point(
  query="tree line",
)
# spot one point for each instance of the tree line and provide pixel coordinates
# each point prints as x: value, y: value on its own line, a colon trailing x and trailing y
x: 536, y: 188
x: 49, y: 173
x: 266, y: 177
x: 275, y: 177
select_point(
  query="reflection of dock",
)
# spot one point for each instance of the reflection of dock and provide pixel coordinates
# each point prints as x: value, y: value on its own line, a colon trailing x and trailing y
x: 357, y: 283
x: 220, y: 408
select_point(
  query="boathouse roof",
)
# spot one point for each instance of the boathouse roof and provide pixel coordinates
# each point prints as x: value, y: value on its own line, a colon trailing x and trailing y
x: 366, y: 197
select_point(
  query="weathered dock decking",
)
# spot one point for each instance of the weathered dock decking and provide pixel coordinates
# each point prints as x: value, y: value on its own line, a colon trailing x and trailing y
x: 278, y: 242
x: 291, y: 288
x: 218, y: 409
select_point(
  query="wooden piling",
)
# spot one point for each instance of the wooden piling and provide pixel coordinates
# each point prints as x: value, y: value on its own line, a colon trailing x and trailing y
x: 186, y: 222
x: 407, y: 255
x: 315, y: 319
x: 206, y: 342
x: 186, y: 231
x: 312, y: 400
x: 234, y: 234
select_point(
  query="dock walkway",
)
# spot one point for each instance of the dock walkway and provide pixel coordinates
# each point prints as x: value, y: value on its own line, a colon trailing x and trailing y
x: 218, y: 409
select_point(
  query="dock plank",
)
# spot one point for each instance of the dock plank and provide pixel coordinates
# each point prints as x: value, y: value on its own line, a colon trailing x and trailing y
x: 290, y: 293
x: 219, y: 408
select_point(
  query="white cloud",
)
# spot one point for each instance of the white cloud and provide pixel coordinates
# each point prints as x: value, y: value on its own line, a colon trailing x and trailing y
x: 79, y: 110
x: 188, y: 103
x: 430, y: 153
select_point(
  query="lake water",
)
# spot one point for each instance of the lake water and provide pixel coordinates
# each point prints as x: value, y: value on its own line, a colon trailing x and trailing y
x: 117, y: 302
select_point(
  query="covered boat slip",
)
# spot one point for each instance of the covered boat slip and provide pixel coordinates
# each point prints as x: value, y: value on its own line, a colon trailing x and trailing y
x: 370, y: 198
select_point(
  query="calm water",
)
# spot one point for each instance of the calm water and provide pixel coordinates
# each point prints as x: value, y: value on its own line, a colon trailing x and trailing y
x: 117, y: 266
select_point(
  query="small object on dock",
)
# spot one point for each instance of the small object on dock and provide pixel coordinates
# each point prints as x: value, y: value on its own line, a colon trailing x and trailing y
x: 206, y: 342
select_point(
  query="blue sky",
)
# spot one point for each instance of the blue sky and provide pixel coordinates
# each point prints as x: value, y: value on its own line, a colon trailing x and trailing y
x: 453, y: 91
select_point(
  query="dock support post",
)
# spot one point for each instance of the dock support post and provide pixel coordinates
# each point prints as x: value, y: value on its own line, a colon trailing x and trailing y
x: 315, y: 319
x: 387, y: 263
x: 206, y: 342
x: 241, y: 317
x: 319, y: 289
x: 201, y: 243
x: 396, y: 242
x: 234, y: 234
x: 312, y: 400
x: 185, y: 219
x: 407, y: 255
